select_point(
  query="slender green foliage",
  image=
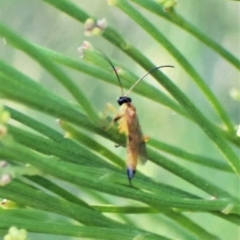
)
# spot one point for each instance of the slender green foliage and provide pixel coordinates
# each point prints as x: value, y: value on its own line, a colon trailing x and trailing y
x: 70, y: 173
x: 115, y: 38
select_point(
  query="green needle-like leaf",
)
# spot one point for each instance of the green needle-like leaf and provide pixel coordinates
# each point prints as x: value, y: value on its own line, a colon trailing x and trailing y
x: 31, y: 50
x: 115, y: 38
x: 175, y: 18
x: 65, y: 179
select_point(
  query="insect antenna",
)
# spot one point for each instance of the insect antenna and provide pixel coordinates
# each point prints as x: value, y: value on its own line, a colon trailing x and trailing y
x: 152, y: 70
x: 114, y: 69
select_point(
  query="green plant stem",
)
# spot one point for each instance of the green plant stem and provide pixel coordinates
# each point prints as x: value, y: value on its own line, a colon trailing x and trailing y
x: 28, y: 213
x: 124, y: 209
x: 189, y: 176
x: 39, y: 127
x: 96, y: 71
x: 154, y: 187
x: 154, y: 32
x: 66, y: 195
x: 25, y: 137
x: 76, y: 155
x: 80, y: 120
x: 235, y: 219
x: 34, y: 198
x: 32, y: 94
x: 76, y: 231
x: 50, y: 186
x: 77, y: 118
x: 95, y: 146
x: 176, y: 169
x: 71, y: 173
x: 175, y: 18
x: 23, y: 194
x: 75, y: 166
x: 147, y: 210
x: 67, y: 143
x: 198, y: 117
x: 111, y: 35
x: 194, y: 158
x: 144, y: 89
x: 61, y: 76
x: 182, y: 220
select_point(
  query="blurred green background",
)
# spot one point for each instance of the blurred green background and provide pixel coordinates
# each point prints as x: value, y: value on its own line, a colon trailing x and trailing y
x: 42, y: 24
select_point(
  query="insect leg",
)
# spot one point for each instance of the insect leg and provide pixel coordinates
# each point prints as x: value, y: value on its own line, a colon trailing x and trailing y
x: 109, y: 108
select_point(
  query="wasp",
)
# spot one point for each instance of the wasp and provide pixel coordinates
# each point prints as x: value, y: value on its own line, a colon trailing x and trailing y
x: 129, y: 125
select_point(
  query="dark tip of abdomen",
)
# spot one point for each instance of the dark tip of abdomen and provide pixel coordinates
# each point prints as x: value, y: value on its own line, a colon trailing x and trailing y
x: 130, y: 173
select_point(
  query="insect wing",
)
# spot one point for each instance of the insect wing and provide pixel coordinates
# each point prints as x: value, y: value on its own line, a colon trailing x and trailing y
x: 137, y: 142
x: 143, y: 153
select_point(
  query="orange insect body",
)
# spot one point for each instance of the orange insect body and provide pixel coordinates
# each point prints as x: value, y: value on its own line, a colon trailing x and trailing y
x: 129, y: 124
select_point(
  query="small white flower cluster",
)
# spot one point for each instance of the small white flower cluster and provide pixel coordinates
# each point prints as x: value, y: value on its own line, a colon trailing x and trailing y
x: 5, y: 178
x: 93, y: 27
x: 167, y: 4
x: 84, y: 46
x: 16, y: 234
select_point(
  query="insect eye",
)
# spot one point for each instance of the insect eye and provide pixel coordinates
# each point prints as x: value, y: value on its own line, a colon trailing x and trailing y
x: 123, y: 99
